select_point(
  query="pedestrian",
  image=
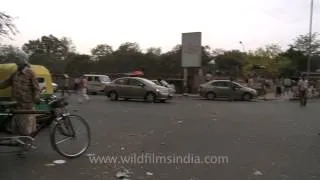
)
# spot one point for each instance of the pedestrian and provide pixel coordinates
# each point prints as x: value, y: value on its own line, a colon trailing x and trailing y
x: 278, y: 88
x: 83, y: 86
x: 287, y: 86
x: 250, y: 82
x: 76, y: 86
x: 65, y: 87
x: 232, y: 89
x: 25, y: 91
x: 303, y: 90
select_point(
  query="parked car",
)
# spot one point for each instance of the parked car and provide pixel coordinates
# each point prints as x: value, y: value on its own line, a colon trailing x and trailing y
x: 221, y: 89
x: 97, y: 83
x: 171, y: 87
x: 136, y: 88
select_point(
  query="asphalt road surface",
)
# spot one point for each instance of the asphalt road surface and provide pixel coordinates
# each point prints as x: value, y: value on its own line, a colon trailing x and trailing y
x: 187, y: 138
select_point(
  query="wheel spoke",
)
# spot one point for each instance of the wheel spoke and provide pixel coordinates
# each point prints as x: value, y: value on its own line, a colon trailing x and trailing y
x: 71, y: 125
x: 64, y: 140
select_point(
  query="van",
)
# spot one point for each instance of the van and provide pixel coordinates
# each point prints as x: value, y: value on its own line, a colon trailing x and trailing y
x: 97, y: 83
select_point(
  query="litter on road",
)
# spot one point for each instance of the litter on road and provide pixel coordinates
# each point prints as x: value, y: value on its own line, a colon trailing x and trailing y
x: 123, y: 174
x: 149, y: 173
x: 257, y: 173
x: 49, y: 165
x: 59, y: 161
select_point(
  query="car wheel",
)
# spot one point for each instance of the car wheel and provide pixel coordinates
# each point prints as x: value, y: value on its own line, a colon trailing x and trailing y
x: 163, y: 101
x: 247, y: 97
x: 211, y: 95
x: 113, y: 96
x: 150, y: 97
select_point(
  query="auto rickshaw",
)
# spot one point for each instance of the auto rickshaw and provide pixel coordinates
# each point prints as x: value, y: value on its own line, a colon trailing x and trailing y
x: 45, y: 82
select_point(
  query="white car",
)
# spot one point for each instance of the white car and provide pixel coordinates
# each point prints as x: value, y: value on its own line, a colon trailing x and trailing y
x: 97, y: 83
x: 55, y: 87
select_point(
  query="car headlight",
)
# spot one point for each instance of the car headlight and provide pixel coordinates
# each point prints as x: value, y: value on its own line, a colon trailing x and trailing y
x: 157, y: 90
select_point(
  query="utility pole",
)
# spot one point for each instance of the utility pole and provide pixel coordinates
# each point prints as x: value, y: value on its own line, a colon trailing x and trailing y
x: 310, y: 40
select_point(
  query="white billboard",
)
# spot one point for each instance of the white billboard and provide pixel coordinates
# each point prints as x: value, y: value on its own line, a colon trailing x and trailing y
x: 191, y: 49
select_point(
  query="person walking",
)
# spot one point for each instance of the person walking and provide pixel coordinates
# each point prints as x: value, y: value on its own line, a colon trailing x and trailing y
x: 303, y: 90
x: 65, y: 85
x: 287, y: 86
x: 83, y: 86
x: 232, y: 89
x: 278, y: 88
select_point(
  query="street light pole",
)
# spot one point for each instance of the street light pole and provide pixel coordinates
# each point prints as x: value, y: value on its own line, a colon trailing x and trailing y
x: 310, y: 39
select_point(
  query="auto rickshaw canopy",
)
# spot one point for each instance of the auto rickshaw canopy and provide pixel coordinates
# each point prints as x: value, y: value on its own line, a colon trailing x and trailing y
x: 42, y: 73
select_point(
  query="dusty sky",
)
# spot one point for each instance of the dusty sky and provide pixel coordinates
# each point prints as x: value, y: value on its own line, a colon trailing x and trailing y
x: 159, y: 23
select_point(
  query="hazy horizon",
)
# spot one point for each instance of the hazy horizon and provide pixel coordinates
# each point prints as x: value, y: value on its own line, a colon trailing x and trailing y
x: 160, y: 23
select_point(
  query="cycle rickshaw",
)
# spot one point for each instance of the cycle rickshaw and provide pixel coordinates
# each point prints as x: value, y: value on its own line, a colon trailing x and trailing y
x: 51, y: 111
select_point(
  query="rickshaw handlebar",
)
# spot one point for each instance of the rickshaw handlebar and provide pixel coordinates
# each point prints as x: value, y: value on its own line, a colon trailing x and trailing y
x: 55, y: 101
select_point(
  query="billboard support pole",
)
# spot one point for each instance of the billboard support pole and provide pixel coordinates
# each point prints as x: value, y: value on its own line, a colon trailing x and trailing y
x: 191, y: 55
x: 185, y: 80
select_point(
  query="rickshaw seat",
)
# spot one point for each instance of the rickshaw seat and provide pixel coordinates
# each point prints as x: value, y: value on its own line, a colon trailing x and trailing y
x: 7, y: 104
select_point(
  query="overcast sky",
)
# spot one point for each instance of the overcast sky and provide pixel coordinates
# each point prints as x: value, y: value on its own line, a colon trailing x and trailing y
x: 159, y: 23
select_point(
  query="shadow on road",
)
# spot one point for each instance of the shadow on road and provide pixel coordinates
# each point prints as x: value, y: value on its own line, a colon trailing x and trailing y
x: 141, y: 101
x: 226, y: 100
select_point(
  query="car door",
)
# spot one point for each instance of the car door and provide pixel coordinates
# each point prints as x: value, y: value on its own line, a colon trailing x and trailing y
x: 237, y: 90
x: 121, y: 86
x: 90, y: 87
x: 96, y: 84
x: 137, y: 88
x: 221, y: 88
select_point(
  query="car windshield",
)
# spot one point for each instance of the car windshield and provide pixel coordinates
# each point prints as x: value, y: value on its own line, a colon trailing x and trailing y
x: 150, y: 82
x: 165, y: 83
x: 237, y: 84
x: 156, y: 82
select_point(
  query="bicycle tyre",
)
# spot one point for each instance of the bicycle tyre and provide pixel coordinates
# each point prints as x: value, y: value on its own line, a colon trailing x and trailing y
x: 56, y: 127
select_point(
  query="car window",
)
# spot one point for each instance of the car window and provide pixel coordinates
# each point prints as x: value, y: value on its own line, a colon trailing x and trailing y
x: 121, y: 81
x: 134, y: 82
x: 89, y: 78
x: 236, y: 85
x: 96, y: 79
x: 220, y: 84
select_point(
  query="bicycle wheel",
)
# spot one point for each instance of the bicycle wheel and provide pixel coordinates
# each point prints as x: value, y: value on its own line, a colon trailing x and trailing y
x: 70, y: 128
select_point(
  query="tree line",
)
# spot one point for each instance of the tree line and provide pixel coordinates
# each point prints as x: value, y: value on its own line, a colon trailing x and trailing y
x: 59, y: 55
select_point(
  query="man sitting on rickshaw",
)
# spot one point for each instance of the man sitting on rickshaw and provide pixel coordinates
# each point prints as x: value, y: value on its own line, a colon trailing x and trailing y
x: 26, y: 92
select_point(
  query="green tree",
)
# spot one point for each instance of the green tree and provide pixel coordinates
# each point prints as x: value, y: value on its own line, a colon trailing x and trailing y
x: 78, y: 64
x: 8, y: 53
x: 155, y: 51
x: 129, y: 47
x: 7, y: 27
x: 53, y: 47
x: 102, y: 50
x: 302, y: 43
x: 271, y: 59
x: 230, y: 62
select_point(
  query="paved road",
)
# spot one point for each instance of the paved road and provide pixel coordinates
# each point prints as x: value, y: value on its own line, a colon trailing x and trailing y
x: 262, y: 140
